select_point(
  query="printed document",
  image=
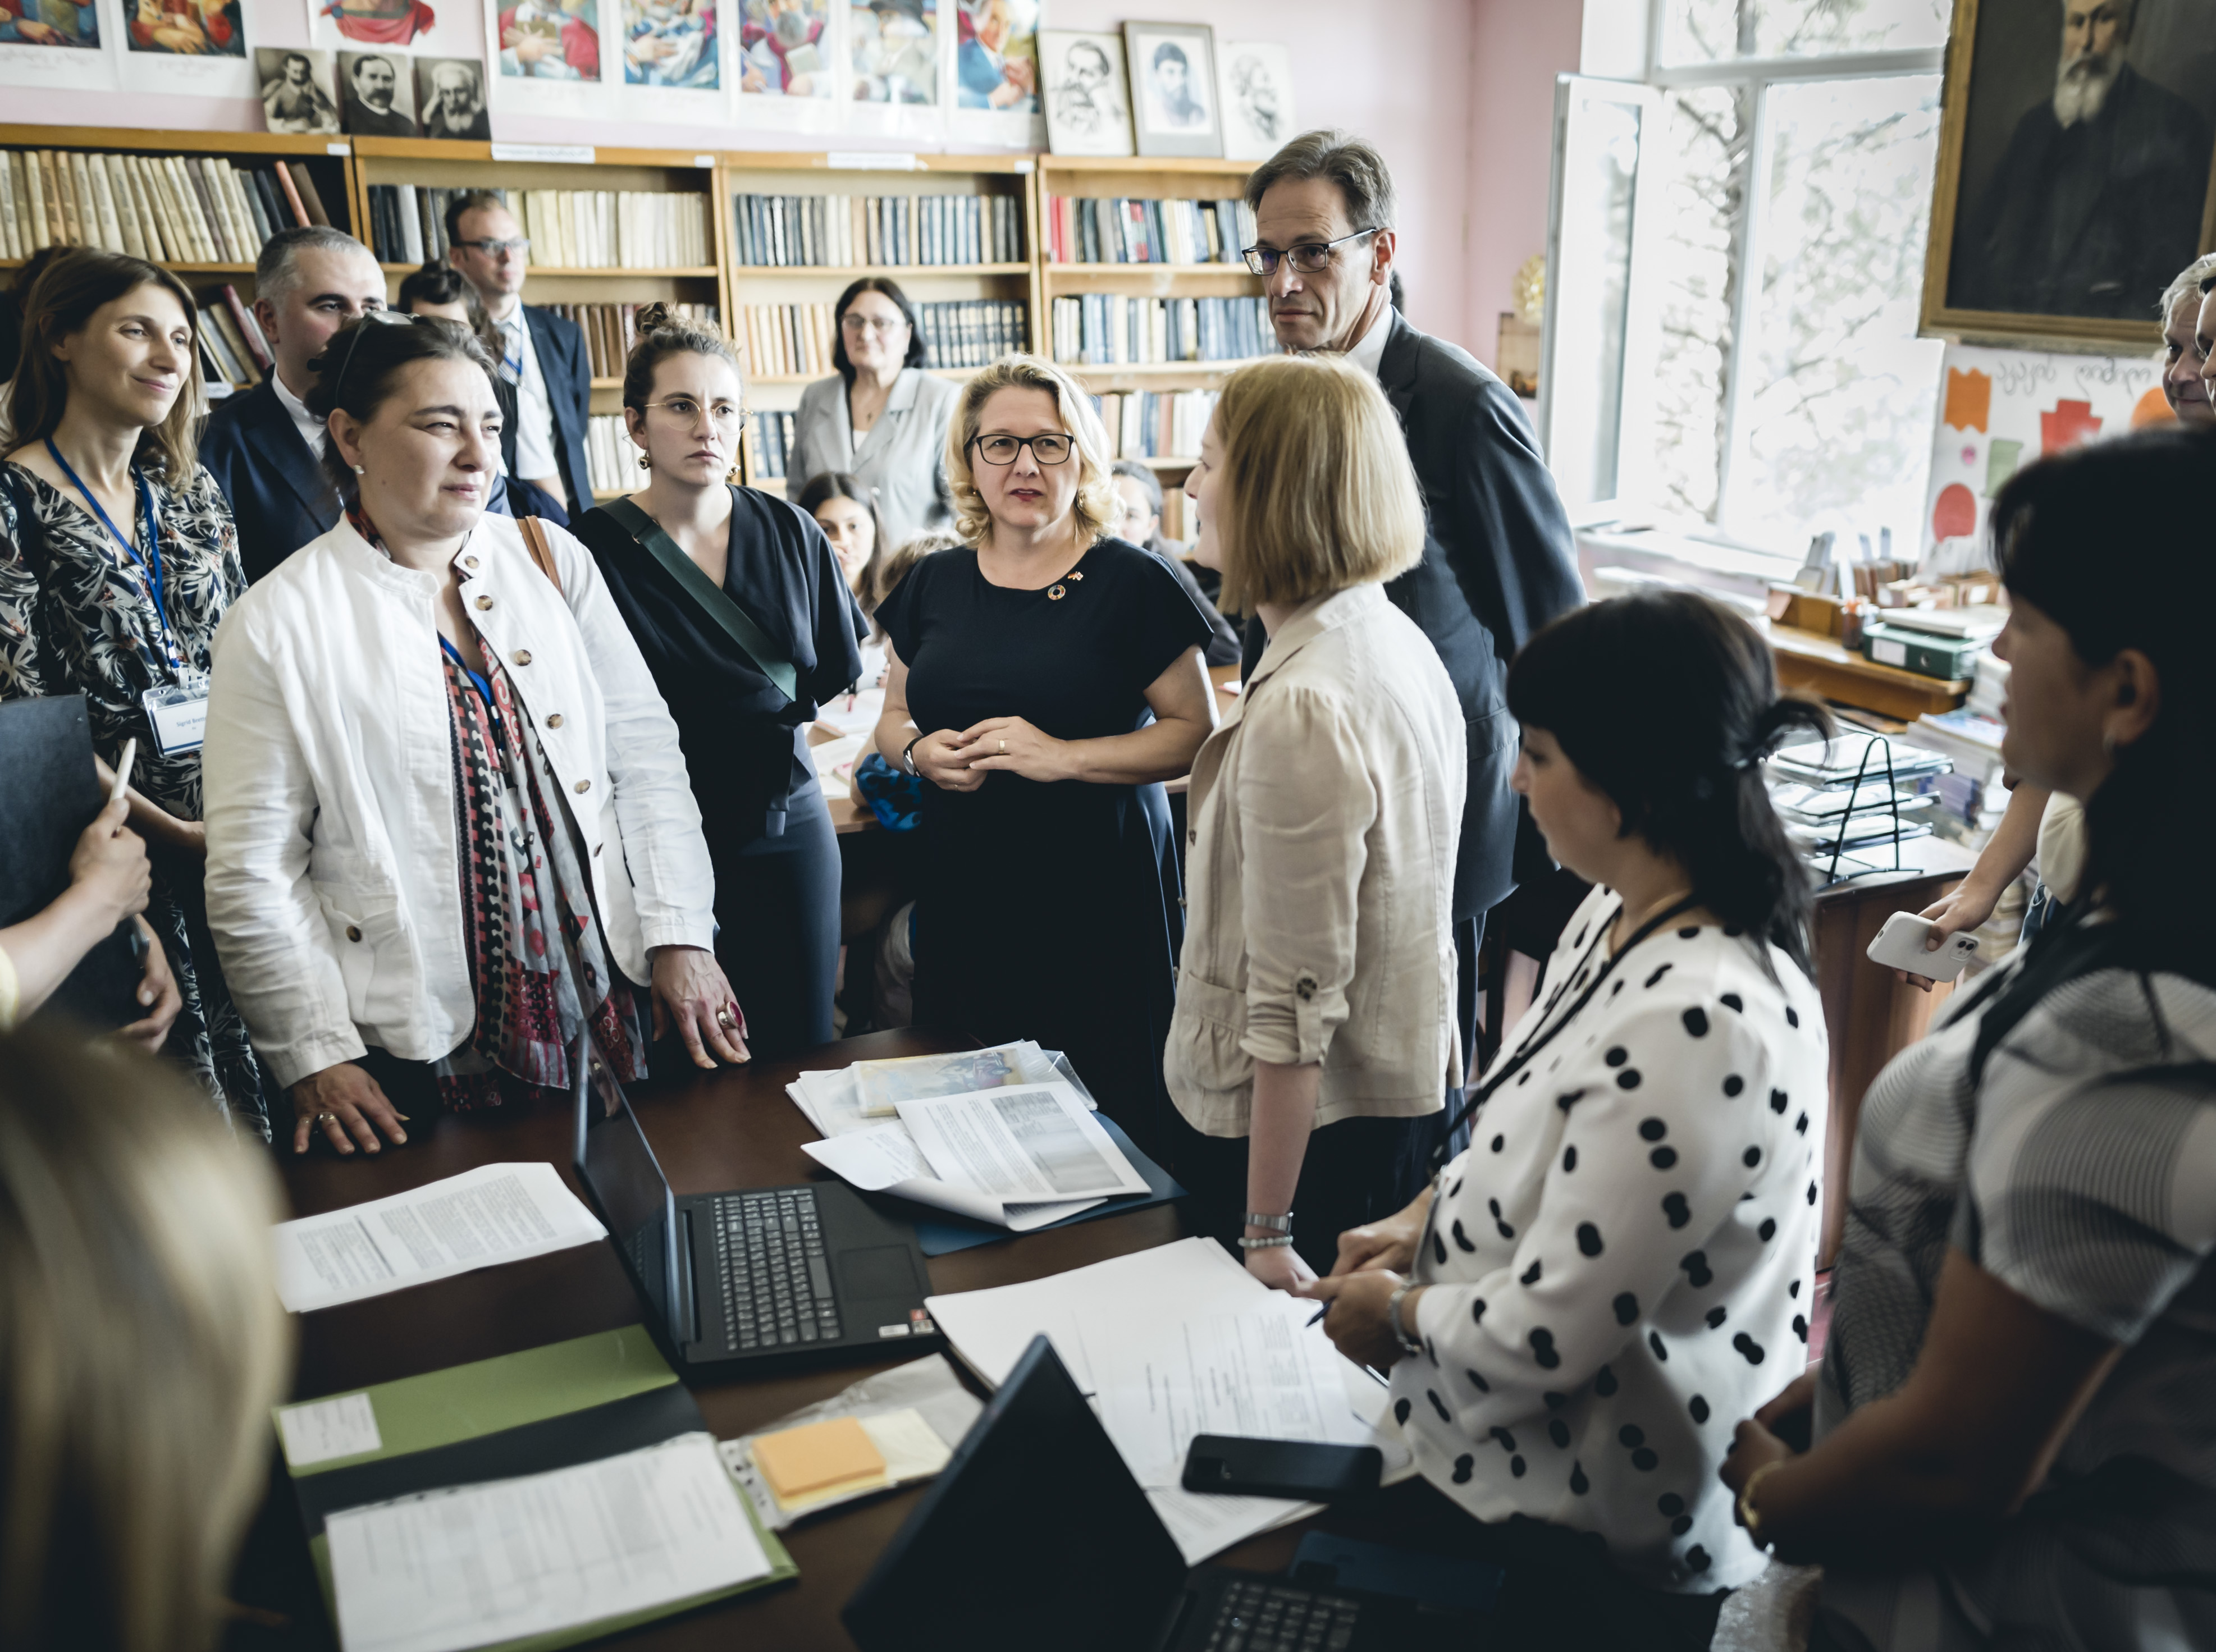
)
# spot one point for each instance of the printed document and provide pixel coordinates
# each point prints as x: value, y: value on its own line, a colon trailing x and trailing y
x: 476, y: 1565
x: 885, y: 1159
x: 494, y: 1213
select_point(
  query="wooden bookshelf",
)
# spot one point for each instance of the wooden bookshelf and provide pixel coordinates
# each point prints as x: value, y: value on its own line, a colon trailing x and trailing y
x: 1088, y: 177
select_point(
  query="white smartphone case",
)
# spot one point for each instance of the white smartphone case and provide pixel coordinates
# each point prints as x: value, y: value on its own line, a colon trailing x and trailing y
x: 1899, y: 945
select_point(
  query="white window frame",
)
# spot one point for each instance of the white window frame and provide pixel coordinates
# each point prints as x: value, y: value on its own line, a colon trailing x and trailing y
x: 1759, y: 75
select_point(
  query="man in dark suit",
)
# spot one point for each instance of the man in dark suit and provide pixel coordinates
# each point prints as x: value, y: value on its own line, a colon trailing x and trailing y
x: 542, y: 355
x: 264, y: 448
x: 1498, y: 560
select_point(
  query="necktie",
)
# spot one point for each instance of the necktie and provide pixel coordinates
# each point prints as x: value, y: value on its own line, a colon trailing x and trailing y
x: 511, y: 362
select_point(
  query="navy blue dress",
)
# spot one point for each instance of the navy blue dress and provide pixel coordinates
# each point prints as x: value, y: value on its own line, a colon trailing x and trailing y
x: 777, y: 894
x: 1049, y: 909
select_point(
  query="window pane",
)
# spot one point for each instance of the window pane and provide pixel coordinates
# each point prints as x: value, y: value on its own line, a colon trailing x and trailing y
x: 1842, y: 392
x: 1593, y: 284
x: 1707, y: 137
x: 1709, y: 31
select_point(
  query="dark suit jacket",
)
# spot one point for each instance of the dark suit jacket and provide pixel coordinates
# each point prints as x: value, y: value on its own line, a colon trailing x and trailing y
x: 1498, y: 563
x: 561, y: 347
x: 279, y: 498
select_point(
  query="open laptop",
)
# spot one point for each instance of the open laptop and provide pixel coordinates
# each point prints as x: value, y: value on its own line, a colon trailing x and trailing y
x: 1036, y: 1534
x: 798, y: 1276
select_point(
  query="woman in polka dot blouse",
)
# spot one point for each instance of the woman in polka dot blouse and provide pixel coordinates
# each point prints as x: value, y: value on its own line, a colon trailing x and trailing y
x: 1583, y: 1305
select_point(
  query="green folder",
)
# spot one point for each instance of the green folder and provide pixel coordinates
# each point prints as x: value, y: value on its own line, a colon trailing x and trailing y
x: 547, y: 1407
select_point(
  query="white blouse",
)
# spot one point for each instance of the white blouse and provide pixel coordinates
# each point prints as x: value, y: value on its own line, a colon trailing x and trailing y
x: 1621, y: 1266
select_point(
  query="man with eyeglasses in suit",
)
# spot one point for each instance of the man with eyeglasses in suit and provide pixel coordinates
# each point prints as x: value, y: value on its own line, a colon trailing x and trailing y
x: 1498, y: 558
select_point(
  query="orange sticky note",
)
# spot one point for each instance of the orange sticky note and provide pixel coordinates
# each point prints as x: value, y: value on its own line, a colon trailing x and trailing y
x: 1969, y: 398
x: 816, y: 1457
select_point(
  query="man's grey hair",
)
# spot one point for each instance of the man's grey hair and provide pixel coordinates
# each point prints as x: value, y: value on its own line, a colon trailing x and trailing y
x: 2193, y: 278
x: 277, y: 272
x: 1354, y: 166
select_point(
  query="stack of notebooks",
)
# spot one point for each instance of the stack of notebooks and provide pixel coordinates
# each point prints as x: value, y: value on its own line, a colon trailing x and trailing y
x: 851, y: 232
x: 1105, y: 231
x: 795, y: 340
x: 1155, y: 424
x: 568, y: 229
x: 611, y: 331
x: 170, y: 209
x: 1102, y: 329
x: 773, y: 437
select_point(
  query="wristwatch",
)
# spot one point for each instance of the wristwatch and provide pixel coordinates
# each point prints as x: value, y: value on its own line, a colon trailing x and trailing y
x: 1409, y: 1344
x: 1281, y: 1230
x: 908, y: 756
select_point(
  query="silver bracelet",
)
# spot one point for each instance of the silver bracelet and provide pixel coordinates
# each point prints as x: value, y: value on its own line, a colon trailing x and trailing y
x: 1275, y: 1223
x: 1409, y: 1344
x: 1271, y: 1244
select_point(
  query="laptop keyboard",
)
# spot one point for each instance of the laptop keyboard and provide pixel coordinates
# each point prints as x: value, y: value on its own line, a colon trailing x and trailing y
x: 1269, y: 1618
x: 776, y: 1278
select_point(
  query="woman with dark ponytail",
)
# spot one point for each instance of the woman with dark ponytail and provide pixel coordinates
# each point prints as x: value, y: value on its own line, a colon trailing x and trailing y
x: 1627, y: 1250
x: 739, y: 605
x: 2013, y: 1415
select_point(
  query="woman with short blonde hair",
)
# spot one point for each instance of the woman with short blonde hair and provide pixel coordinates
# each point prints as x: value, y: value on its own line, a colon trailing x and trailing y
x: 141, y: 1347
x: 1315, y: 1033
x: 1044, y: 678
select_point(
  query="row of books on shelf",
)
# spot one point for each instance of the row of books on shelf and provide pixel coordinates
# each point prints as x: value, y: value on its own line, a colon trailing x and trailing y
x: 847, y: 231
x: 1112, y: 229
x: 611, y: 330
x: 1155, y: 424
x: 568, y: 229
x: 1099, y: 329
x: 235, y: 355
x: 611, y: 456
x: 791, y: 340
x: 772, y: 436
x: 171, y: 209
x: 408, y: 222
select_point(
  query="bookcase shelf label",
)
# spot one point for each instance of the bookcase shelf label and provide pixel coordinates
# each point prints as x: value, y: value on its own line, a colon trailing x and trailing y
x: 566, y: 154
x: 871, y: 160
x: 338, y: 149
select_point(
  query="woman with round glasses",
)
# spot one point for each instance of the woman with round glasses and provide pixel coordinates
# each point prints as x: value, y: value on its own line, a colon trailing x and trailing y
x: 882, y: 419
x: 451, y: 851
x: 739, y: 605
x: 1044, y: 678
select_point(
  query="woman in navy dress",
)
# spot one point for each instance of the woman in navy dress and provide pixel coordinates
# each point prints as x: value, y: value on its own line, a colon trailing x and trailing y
x: 1044, y: 679
x: 741, y: 707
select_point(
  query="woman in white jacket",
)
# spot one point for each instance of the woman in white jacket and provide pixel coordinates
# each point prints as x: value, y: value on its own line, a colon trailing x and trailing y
x: 450, y: 835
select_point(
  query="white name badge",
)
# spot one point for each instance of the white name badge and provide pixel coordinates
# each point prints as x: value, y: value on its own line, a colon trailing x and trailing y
x: 179, y: 716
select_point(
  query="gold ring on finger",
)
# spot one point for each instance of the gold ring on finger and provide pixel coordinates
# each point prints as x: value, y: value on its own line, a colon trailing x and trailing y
x: 325, y: 1118
x: 1004, y: 748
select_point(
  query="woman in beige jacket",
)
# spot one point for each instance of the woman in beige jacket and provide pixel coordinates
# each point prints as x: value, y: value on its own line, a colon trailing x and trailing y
x: 1316, y: 991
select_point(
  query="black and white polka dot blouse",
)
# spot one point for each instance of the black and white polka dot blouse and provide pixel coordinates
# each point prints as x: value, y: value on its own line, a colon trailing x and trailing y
x: 1621, y: 1266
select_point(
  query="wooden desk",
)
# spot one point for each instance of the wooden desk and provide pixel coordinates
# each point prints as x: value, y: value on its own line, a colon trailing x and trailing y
x: 735, y: 1129
x: 1822, y: 665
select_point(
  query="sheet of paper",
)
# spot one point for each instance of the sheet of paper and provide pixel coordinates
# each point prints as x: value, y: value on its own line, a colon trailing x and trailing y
x: 1026, y: 1142
x: 883, y: 1085
x: 326, y: 1429
x: 835, y: 764
x: 494, y: 1213
x: 1260, y: 1374
x: 884, y: 1158
x: 1202, y: 1525
x: 911, y: 1447
x: 476, y: 1565
x: 832, y: 1102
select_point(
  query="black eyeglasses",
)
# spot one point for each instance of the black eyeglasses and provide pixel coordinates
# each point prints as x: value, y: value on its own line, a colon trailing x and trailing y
x: 517, y: 244
x: 387, y: 317
x: 1002, y: 450
x: 1309, y: 258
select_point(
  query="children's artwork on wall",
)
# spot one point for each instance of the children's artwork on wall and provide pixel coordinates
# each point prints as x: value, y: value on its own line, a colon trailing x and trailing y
x: 784, y: 48
x: 1254, y: 87
x: 548, y: 39
x: 1081, y: 75
x: 196, y: 48
x: 297, y: 89
x: 386, y: 25
x: 2001, y: 409
x: 896, y: 51
x: 450, y: 98
x: 671, y: 43
x: 1173, y: 88
x: 53, y: 43
x: 996, y: 74
x: 376, y: 95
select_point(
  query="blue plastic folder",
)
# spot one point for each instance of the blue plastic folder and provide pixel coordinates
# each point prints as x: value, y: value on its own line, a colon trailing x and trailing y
x: 938, y: 1232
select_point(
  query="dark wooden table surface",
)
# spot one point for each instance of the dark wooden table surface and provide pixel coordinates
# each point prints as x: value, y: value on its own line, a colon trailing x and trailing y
x: 734, y: 1129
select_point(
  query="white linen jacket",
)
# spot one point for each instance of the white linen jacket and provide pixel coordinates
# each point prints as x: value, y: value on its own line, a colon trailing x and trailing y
x: 333, y: 887
x: 1325, y: 815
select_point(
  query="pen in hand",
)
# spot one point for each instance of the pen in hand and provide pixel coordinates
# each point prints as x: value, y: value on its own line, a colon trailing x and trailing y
x: 1319, y: 1313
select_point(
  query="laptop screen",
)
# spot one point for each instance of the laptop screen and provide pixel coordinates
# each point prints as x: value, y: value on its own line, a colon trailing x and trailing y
x: 1036, y: 1535
x: 626, y: 1182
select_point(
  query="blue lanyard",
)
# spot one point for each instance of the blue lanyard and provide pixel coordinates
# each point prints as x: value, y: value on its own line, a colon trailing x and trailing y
x: 477, y: 679
x: 150, y: 563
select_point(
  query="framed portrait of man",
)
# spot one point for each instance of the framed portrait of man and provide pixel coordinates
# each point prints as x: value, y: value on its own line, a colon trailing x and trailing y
x: 1173, y: 107
x: 2074, y: 172
x: 1081, y: 73
x: 297, y: 90
x: 376, y: 95
x: 450, y: 98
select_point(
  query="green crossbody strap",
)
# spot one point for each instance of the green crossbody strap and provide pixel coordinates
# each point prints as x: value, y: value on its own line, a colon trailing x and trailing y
x: 706, y: 592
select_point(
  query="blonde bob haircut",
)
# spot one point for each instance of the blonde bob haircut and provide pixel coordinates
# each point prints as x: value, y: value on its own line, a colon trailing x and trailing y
x: 1316, y: 492
x: 1097, y: 505
x: 141, y: 1347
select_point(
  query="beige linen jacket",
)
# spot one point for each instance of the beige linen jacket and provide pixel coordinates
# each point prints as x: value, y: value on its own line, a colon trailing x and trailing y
x: 1320, y: 874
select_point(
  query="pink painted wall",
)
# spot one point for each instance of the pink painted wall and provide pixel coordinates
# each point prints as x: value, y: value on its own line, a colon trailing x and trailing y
x: 1518, y: 50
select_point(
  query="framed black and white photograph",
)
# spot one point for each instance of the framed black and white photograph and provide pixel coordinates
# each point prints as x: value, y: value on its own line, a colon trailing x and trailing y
x: 1082, y: 74
x: 2074, y: 168
x: 297, y: 90
x: 450, y: 98
x: 1173, y: 100
x: 376, y: 95
x: 1254, y: 86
